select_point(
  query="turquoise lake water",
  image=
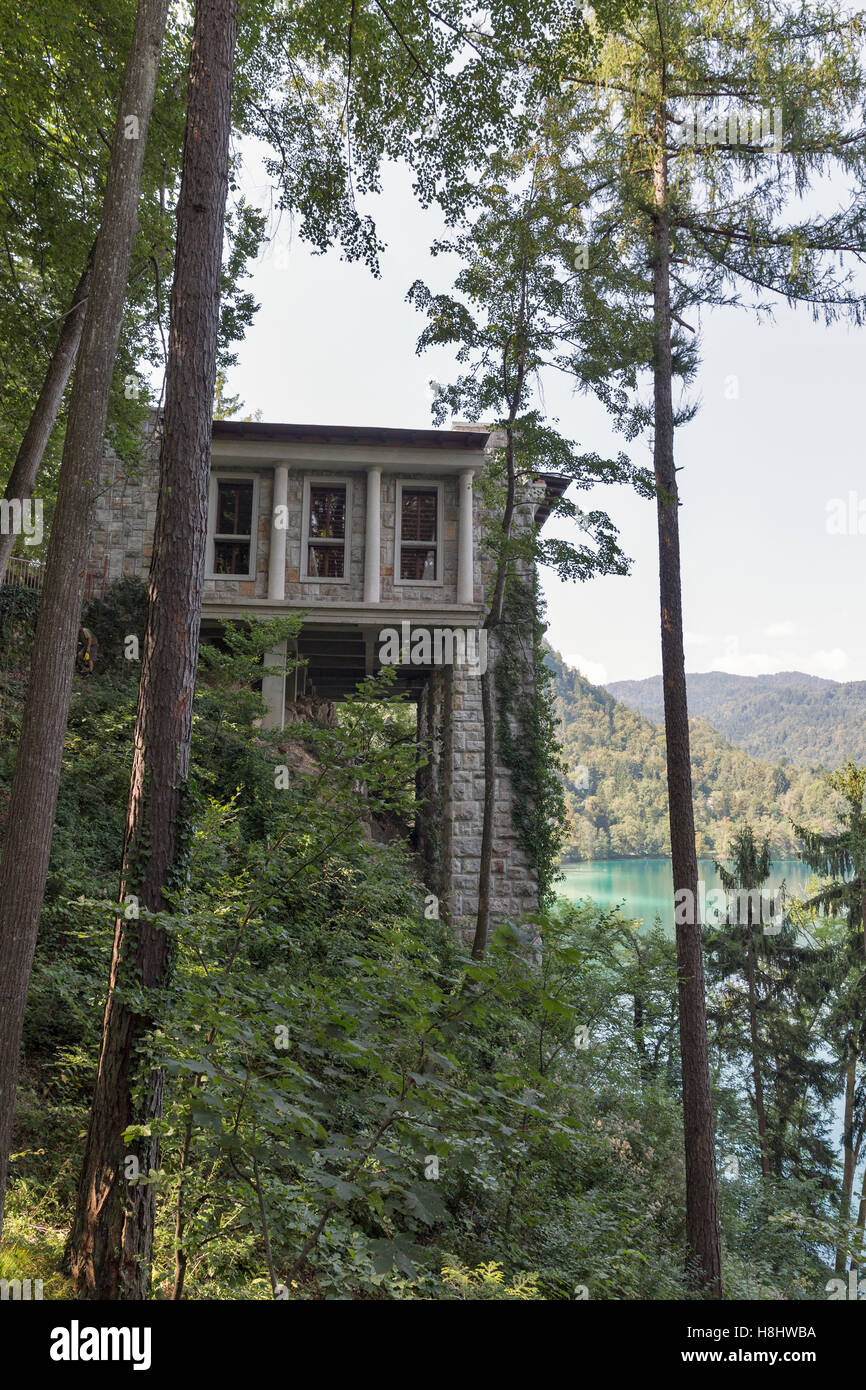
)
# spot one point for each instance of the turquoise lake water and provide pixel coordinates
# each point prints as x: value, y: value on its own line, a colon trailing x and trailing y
x: 644, y: 887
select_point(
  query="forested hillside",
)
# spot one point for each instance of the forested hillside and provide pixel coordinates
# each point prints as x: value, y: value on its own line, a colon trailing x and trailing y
x: 786, y: 717
x: 616, y: 784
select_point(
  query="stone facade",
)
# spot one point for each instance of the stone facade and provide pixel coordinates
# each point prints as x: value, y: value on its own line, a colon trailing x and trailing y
x: 450, y: 723
x: 451, y: 729
x: 125, y: 517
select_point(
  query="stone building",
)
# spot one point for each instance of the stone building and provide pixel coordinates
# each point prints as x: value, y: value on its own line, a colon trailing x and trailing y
x: 375, y: 536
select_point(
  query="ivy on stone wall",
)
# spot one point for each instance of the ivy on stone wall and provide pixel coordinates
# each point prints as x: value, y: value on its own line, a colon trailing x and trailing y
x: 527, y: 732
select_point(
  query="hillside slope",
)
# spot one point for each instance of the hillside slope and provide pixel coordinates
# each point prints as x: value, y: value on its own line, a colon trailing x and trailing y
x: 616, y: 783
x: 789, y: 716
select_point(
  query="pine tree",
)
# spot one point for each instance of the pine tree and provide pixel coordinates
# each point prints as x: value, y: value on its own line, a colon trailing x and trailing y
x: 710, y: 119
x: 113, y: 1235
x: 841, y: 858
x: 750, y: 869
x: 27, y: 845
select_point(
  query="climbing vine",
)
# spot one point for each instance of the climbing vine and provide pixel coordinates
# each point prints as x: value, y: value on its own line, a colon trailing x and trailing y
x: 527, y: 732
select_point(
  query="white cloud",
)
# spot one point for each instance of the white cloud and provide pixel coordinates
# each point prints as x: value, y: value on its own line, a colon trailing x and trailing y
x: 697, y: 639
x: 834, y: 663
x: 743, y: 663
x: 594, y: 671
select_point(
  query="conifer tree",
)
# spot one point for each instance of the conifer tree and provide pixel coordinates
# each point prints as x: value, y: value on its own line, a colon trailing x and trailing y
x: 840, y: 857
x: 27, y: 845
x: 711, y: 118
x: 506, y: 321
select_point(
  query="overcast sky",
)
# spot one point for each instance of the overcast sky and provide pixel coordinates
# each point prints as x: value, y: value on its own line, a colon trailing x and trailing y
x: 773, y: 468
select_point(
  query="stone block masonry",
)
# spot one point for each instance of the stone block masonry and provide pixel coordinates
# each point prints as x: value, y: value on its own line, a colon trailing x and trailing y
x: 451, y: 724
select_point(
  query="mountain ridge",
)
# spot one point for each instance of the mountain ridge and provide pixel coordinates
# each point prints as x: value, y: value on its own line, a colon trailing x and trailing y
x: 788, y: 716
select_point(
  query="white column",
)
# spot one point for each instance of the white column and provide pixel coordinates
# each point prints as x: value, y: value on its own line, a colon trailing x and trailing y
x: 279, y: 534
x: 373, y: 536
x: 274, y: 687
x: 465, y: 552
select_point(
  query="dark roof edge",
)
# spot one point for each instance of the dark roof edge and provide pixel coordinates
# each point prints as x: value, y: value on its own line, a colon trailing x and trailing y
x: 555, y: 486
x: 266, y: 432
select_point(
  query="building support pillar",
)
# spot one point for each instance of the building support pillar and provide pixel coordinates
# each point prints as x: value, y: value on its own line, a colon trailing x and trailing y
x: 465, y: 556
x: 274, y: 687
x: 373, y: 536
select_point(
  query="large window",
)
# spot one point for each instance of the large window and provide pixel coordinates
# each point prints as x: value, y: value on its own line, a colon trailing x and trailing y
x: 326, y: 531
x: 233, y: 527
x: 419, y: 535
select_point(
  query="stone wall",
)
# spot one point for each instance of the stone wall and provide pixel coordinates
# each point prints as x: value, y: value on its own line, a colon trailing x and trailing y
x: 452, y: 724
x: 125, y: 516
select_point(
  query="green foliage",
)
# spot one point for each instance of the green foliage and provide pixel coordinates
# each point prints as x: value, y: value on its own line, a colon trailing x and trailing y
x: 489, y: 1281
x: 527, y: 735
x: 324, y: 1040
x: 121, y: 613
x: 18, y: 609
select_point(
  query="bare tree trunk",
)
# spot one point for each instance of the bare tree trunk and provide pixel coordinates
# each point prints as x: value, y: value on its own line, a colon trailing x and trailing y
x: 488, y: 701
x: 180, y: 1255
x: 112, y: 1239
x: 760, y: 1110
x: 488, y: 711
x: 514, y: 392
x: 702, y: 1220
x: 848, y: 1161
x: 32, y: 450
x: 861, y: 1219
x: 33, y: 802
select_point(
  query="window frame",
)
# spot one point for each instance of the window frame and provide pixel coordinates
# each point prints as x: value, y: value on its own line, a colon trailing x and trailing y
x: 418, y: 485
x: 312, y: 480
x: 216, y: 478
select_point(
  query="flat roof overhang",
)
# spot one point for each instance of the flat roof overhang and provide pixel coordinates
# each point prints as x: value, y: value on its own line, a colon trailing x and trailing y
x: 555, y: 486
x: 250, y: 442
x: 341, y: 615
x: 380, y: 436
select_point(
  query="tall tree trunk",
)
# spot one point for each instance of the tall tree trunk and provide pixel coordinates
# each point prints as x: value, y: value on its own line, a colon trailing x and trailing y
x: 702, y: 1220
x: 112, y: 1239
x: 861, y: 1221
x: 513, y: 385
x: 488, y: 701
x: 33, y: 801
x: 848, y: 1161
x: 760, y: 1110
x: 32, y: 450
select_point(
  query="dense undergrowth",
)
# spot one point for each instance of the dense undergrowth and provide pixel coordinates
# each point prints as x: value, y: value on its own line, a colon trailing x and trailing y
x: 354, y: 1109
